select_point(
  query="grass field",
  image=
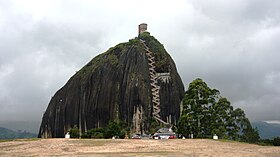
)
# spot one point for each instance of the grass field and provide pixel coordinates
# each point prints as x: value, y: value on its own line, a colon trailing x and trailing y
x: 130, y: 147
x: 24, y: 139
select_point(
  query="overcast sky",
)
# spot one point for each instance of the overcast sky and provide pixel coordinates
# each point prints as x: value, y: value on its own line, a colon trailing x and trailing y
x: 233, y: 45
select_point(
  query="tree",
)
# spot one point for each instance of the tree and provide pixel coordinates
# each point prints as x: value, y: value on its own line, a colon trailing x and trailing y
x: 154, y: 125
x: 115, y: 128
x: 197, y: 102
x: 206, y: 113
x: 276, y: 141
x: 221, y: 120
x: 250, y: 134
x: 185, y: 127
x: 94, y: 133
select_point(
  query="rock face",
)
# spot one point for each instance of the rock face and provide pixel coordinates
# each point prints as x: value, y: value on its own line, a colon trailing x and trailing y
x: 116, y: 85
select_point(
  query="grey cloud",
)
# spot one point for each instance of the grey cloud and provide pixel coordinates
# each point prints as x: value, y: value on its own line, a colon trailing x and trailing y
x: 37, y: 58
x: 238, y: 54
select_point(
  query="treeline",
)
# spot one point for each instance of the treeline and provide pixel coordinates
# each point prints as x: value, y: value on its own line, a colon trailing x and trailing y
x: 274, y: 142
x: 113, y: 129
x: 206, y: 113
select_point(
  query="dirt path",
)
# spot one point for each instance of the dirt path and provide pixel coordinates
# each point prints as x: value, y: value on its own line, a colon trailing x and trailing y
x: 192, y: 148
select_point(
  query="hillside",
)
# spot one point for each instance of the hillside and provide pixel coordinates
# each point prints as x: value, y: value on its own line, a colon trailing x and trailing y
x: 267, y: 130
x: 10, y: 134
x: 29, y: 126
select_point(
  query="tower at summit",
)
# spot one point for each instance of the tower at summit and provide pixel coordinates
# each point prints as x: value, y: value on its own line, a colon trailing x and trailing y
x: 142, y: 28
x: 134, y: 82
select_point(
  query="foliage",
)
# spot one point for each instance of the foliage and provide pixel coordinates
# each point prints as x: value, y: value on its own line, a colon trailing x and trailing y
x: 206, y: 113
x: 154, y: 126
x: 110, y: 56
x: 160, y: 54
x: 115, y: 128
x: 95, y: 133
x: 133, y: 41
x: 276, y: 141
x: 265, y: 142
x: 250, y: 134
x: 113, y: 59
x: 144, y: 35
x: 270, y: 142
x: 198, y: 106
x: 74, y: 132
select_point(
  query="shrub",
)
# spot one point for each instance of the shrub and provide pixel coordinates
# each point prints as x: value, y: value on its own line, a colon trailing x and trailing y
x: 115, y: 128
x: 74, y: 132
x: 85, y: 135
x: 265, y: 142
x: 96, y: 133
x: 276, y: 141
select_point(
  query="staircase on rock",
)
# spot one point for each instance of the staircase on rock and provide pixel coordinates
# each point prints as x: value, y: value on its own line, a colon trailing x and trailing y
x: 154, y: 84
x: 134, y: 82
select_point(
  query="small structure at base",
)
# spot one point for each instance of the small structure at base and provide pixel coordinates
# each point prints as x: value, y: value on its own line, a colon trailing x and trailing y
x: 67, y: 135
x: 215, y: 137
x: 191, y: 136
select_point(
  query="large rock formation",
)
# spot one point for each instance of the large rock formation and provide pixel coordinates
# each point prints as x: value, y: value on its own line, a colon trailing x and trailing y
x: 118, y: 85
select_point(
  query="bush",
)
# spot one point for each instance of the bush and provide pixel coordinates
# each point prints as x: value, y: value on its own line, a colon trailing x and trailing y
x: 96, y: 133
x: 153, y: 126
x: 85, y: 135
x: 114, y: 128
x: 74, y: 132
x: 276, y: 141
x: 265, y: 142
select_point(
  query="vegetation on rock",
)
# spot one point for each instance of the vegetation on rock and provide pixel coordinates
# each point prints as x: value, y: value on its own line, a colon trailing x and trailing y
x: 115, y: 85
x: 161, y: 56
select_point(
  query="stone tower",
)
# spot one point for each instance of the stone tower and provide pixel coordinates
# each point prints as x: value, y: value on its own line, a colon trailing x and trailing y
x: 142, y: 28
